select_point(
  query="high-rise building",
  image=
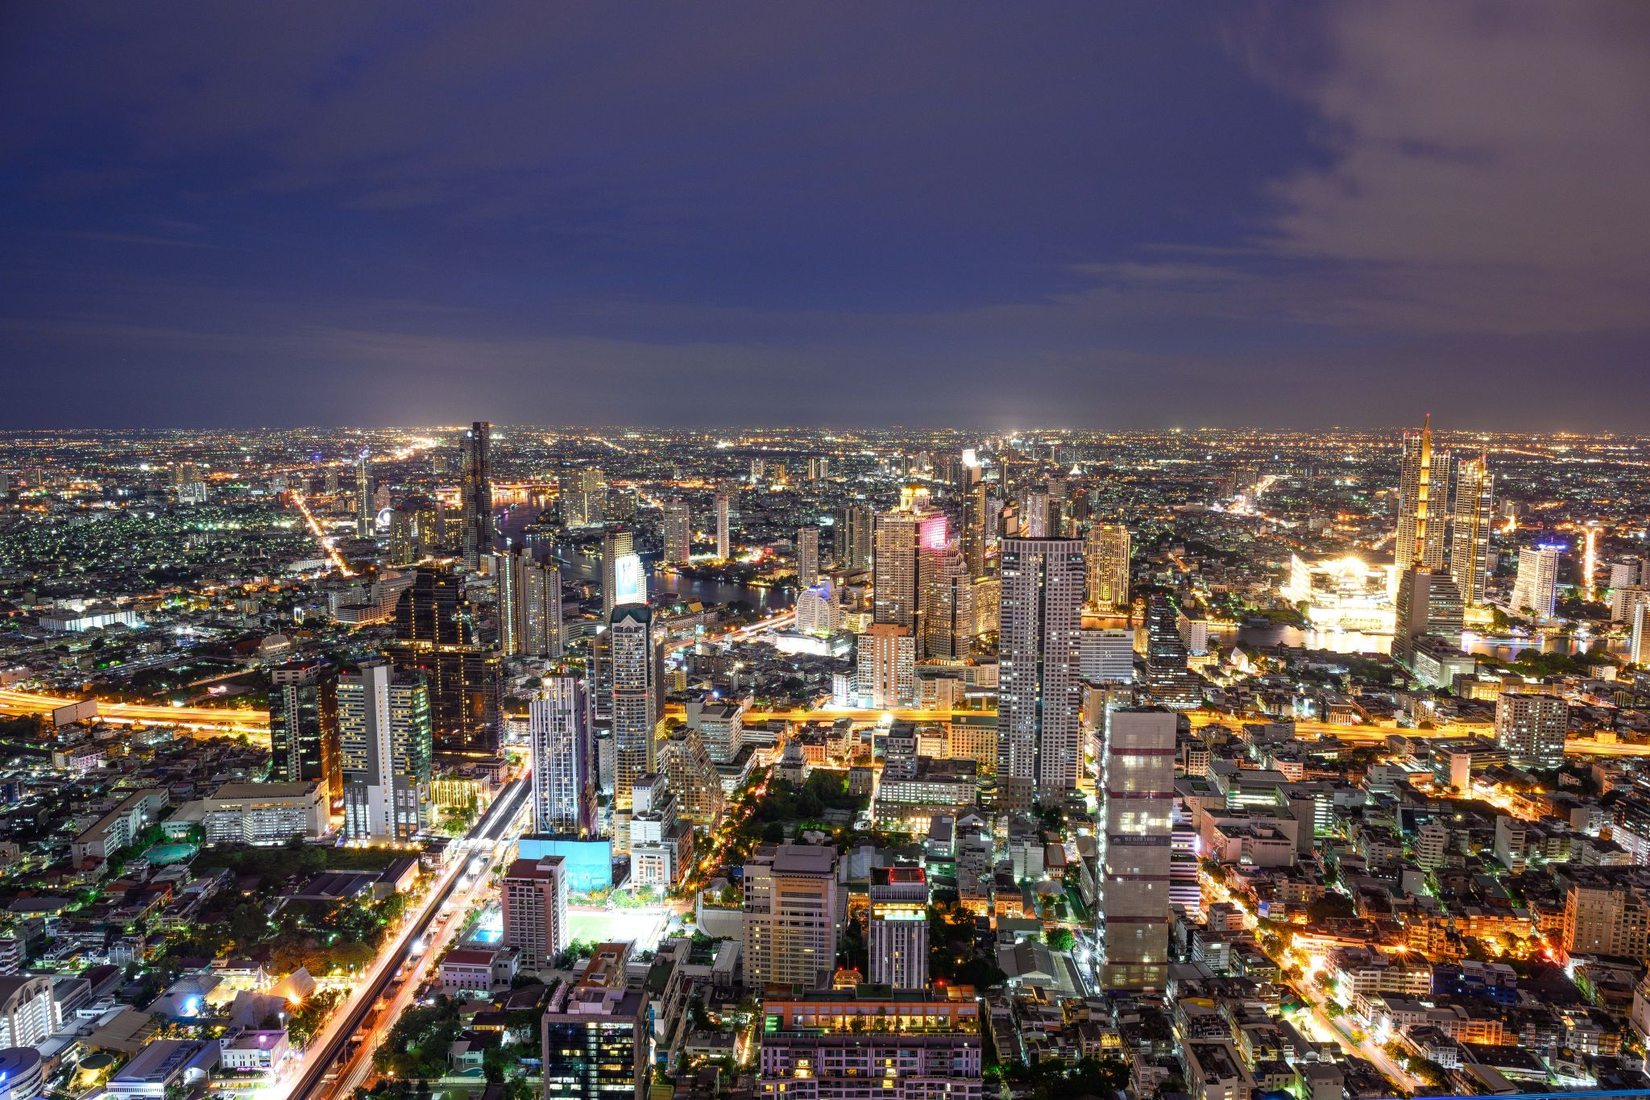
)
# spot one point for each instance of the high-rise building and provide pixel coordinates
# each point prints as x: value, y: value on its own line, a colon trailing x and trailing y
x: 816, y: 610
x: 721, y: 727
x: 1109, y: 549
x: 637, y: 697
x: 1638, y: 634
x: 1472, y: 519
x: 724, y: 543
x: 529, y: 605
x: 596, y: 1042
x: 686, y: 763
x: 363, y: 497
x: 854, y: 538
x: 1429, y: 606
x: 583, y: 496
x: 1423, y: 501
x: 947, y: 604
x: 661, y: 846
x: 807, y: 555
x: 533, y: 900
x: 1137, y: 778
x: 1169, y: 680
x: 885, y: 659
x: 900, y: 538
x: 1605, y: 918
x: 617, y: 543
x: 791, y: 916
x: 1039, y: 685
x: 1536, y: 587
x: 1107, y: 656
x: 1532, y: 729
x: 563, y: 755
x: 678, y: 532
x: 384, y: 744
x: 303, y: 726
x: 475, y: 493
x: 897, y: 935
x: 436, y: 636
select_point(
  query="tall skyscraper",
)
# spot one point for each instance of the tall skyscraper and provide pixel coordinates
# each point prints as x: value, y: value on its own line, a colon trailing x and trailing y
x: 1532, y: 729
x: 436, y: 636
x: 475, y: 493
x: 885, y: 659
x: 1039, y: 686
x: 1429, y: 605
x: 617, y: 543
x: 303, y: 726
x: 637, y: 697
x: 807, y: 555
x: 1109, y: 549
x: 1137, y: 778
x: 1472, y: 519
x: 384, y: 742
x: 363, y: 497
x: 1168, y: 677
x: 897, y: 935
x: 583, y: 496
x: 1536, y: 587
x: 853, y: 538
x: 529, y: 605
x: 948, y: 604
x: 896, y: 575
x: 1638, y: 634
x: 533, y: 900
x: 791, y: 916
x: 678, y: 532
x: 563, y: 754
x: 724, y: 543
x: 596, y: 1042
x: 1423, y: 501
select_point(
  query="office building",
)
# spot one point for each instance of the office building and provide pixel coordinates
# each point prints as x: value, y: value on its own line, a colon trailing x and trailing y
x: 1638, y: 634
x: 724, y: 543
x: 1106, y: 656
x: 858, y: 1044
x: 1423, y: 502
x: 1137, y: 781
x: 1109, y: 548
x: 437, y: 638
x: 948, y: 616
x: 533, y: 900
x: 1428, y: 606
x: 1535, y: 591
x: 791, y: 916
x: 529, y: 605
x: 1472, y: 520
x: 854, y: 529
x: 900, y: 536
x: 385, y: 746
x: 637, y: 701
x: 1532, y: 728
x: 617, y: 543
x: 596, y: 1039
x: 1039, y: 694
x: 885, y: 674
x: 475, y: 493
x: 721, y: 728
x: 562, y: 751
x: 303, y: 726
x: 897, y: 933
x: 583, y: 496
x: 28, y: 1011
x: 1169, y: 680
x: 678, y: 532
x: 265, y: 813
x: 807, y: 555
x: 661, y: 846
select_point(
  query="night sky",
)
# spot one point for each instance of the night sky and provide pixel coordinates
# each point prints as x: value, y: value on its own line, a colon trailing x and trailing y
x: 991, y: 215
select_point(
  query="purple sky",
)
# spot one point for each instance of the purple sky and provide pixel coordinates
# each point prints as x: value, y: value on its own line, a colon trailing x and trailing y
x: 1086, y: 215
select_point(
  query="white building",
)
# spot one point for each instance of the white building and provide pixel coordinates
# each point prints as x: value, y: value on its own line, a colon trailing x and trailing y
x: 1039, y: 695
x: 562, y: 750
x: 1536, y: 588
x: 885, y: 664
x: 1532, y: 729
x: 1106, y: 656
x: 384, y: 740
x: 265, y: 813
x: 533, y: 897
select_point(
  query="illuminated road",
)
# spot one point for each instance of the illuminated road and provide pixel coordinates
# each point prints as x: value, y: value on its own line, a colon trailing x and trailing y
x: 206, y: 721
x: 331, y: 1043
x: 321, y: 536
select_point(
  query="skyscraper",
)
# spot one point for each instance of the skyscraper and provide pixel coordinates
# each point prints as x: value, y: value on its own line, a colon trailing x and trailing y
x: 1532, y: 729
x: 1108, y: 567
x: 1472, y: 518
x: 724, y: 544
x: 637, y: 690
x: 583, y: 496
x: 885, y: 660
x: 1039, y: 688
x: 1137, y: 778
x: 853, y: 538
x: 807, y: 555
x: 1638, y: 633
x: 436, y: 636
x: 363, y: 497
x: 791, y: 916
x: 1169, y: 680
x: 617, y: 543
x: 678, y: 532
x: 529, y: 605
x: 533, y: 900
x: 1423, y: 501
x: 900, y: 537
x: 303, y: 726
x: 948, y: 604
x: 1429, y: 605
x: 384, y: 742
x: 897, y: 933
x: 475, y: 493
x: 562, y: 751
x: 1536, y: 587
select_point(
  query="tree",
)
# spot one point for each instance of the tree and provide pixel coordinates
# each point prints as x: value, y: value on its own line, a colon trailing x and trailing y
x: 1061, y: 939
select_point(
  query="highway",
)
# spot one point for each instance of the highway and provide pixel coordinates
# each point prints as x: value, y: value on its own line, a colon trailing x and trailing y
x: 312, y: 1079
x: 206, y: 721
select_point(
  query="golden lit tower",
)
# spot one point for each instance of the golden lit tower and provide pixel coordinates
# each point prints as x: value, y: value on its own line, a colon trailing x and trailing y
x: 1423, y: 501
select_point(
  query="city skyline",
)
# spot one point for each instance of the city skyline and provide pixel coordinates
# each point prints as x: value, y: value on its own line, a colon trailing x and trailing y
x: 1081, y: 216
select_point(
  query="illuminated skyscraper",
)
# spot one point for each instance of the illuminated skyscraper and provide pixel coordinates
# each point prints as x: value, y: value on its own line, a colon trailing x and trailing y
x: 885, y: 661
x: 1473, y: 517
x: 303, y: 725
x: 853, y: 538
x: 1108, y: 567
x: 363, y: 497
x: 1536, y: 587
x: 897, y: 932
x: 563, y: 757
x: 1423, y: 501
x: 384, y: 742
x: 637, y: 692
x: 529, y: 605
x: 901, y: 536
x: 436, y: 636
x: 678, y: 533
x: 807, y: 555
x: 1169, y: 680
x: 1137, y: 781
x: 1638, y: 634
x: 617, y: 543
x: 1039, y: 680
x: 1429, y: 605
x: 724, y: 543
x: 948, y: 604
x: 583, y: 496
x: 475, y: 493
